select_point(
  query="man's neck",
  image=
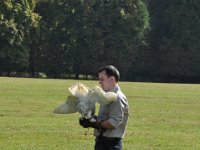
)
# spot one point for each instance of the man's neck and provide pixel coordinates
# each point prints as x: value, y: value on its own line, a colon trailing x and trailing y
x: 113, y: 87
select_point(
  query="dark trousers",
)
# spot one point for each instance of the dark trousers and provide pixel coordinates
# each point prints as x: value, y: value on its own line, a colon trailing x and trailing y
x: 105, y: 143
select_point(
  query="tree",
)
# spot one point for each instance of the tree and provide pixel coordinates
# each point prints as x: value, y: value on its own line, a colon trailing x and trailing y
x: 17, y: 18
x: 119, y: 33
x: 175, y: 39
x: 80, y: 36
x: 57, y: 36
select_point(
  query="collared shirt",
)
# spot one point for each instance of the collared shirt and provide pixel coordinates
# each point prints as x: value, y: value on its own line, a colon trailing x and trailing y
x: 116, y: 113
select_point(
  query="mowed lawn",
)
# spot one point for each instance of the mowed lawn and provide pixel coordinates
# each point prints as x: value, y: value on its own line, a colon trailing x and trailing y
x: 162, y: 116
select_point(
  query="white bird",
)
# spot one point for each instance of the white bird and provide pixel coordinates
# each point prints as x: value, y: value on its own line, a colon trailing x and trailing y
x: 83, y: 100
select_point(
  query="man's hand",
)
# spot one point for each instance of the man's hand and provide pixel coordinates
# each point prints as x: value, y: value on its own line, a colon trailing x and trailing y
x: 86, y: 123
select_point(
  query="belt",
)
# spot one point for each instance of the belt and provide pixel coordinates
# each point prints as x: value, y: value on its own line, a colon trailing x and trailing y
x: 109, y: 138
x: 104, y: 138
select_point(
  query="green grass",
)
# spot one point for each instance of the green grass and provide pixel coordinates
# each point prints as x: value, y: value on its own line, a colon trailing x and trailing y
x: 162, y: 116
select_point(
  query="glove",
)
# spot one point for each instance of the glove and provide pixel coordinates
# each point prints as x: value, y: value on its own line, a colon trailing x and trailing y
x: 86, y: 123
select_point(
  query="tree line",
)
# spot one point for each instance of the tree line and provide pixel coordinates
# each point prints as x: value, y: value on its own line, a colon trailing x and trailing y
x: 146, y: 40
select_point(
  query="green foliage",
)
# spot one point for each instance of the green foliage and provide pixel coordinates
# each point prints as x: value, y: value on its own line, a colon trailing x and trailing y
x: 16, y: 20
x: 175, y: 38
x: 76, y: 37
x: 13, y: 58
x: 56, y: 37
x: 79, y: 34
x: 72, y: 36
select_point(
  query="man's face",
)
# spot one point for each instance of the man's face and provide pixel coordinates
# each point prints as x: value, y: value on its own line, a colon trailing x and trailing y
x: 105, y: 81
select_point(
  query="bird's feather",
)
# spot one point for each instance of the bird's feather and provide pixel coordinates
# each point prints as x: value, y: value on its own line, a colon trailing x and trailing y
x: 79, y: 90
x: 70, y: 106
x: 102, y: 97
x: 83, y: 100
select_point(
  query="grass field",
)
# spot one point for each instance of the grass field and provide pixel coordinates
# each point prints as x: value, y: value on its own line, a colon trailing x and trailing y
x: 162, y: 116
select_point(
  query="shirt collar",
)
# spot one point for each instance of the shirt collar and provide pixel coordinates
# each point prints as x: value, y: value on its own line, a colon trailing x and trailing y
x: 115, y: 89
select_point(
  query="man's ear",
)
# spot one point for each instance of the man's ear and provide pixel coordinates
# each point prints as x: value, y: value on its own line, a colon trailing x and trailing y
x: 112, y: 78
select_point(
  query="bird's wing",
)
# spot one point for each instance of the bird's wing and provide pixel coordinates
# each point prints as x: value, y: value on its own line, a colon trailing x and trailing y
x: 103, y: 98
x: 79, y: 90
x: 70, y: 106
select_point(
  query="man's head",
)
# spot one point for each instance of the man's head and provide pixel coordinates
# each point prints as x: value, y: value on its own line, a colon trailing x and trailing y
x: 108, y: 77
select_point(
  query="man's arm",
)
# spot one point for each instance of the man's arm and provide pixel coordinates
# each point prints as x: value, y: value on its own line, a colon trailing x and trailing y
x: 105, y: 125
x: 97, y: 125
x: 116, y: 114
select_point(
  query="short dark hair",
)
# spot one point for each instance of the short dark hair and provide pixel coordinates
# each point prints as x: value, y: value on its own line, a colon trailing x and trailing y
x: 110, y: 71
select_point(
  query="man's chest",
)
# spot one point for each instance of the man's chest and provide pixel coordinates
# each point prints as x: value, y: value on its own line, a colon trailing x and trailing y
x: 104, y: 112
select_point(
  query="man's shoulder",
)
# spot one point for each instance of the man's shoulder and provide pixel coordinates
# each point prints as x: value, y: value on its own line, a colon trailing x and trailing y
x: 121, y: 94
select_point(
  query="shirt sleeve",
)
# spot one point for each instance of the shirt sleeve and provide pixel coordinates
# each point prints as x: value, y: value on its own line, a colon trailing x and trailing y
x: 116, y: 112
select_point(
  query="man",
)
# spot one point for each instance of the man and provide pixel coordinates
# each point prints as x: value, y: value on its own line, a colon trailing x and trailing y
x: 112, y: 118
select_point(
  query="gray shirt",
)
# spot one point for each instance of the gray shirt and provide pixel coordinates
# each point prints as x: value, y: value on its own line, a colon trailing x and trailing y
x: 116, y: 113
